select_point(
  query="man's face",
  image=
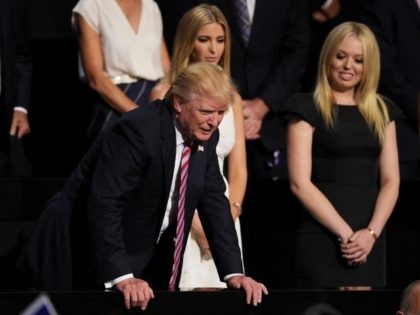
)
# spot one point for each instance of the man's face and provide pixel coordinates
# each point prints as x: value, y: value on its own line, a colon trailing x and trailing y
x: 200, y: 116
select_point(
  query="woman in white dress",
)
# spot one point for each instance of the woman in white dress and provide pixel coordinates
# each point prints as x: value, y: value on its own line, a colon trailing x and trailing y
x: 203, y: 35
x: 123, y: 55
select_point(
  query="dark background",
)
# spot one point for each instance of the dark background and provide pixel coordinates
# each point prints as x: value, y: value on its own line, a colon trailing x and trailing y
x: 60, y: 104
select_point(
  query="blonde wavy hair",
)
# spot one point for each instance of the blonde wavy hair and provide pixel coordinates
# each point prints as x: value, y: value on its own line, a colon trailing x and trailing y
x: 205, y: 79
x: 186, y: 35
x: 371, y: 105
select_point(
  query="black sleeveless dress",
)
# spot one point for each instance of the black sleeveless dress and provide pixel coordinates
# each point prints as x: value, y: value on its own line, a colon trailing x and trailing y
x: 345, y: 168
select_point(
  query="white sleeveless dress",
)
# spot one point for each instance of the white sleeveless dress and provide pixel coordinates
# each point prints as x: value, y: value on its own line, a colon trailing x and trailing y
x: 197, y: 272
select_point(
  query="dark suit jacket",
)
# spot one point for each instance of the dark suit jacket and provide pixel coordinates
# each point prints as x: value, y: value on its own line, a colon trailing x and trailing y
x: 130, y: 188
x: 396, y: 24
x: 123, y: 182
x: 16, y: 62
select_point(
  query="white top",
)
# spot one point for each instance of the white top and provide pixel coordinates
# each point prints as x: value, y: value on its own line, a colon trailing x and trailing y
x: 129, y: 53
x: 226, y: 141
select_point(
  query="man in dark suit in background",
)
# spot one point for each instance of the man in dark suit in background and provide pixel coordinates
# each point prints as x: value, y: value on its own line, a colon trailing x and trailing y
x: 133, y: 196
x: 267, y: 65
x: 15, y: 78
x: 396, y: 24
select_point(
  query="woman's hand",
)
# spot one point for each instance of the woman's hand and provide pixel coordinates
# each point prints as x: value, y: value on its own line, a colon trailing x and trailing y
x: 197, y: 233
x: 358, y: 247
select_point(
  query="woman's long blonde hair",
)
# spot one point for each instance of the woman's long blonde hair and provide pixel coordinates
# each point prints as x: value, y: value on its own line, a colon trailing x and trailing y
x: 186, y: 35
x: 371, y: 105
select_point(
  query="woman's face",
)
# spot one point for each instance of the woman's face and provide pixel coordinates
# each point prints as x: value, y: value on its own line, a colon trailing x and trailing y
x: 347, y: 65
x: 209, y: 45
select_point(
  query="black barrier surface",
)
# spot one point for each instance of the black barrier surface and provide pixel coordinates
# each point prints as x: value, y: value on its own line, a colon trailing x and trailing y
x: 213, y: 302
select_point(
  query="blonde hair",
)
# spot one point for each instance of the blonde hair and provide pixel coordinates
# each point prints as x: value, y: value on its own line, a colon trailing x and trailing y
x: 371, y: 105
x: 203, y: 79
x: 186, y: 35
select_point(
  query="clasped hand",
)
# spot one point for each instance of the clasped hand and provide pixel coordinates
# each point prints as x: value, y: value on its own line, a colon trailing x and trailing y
x: 358, y: 247
x: 254, y: 111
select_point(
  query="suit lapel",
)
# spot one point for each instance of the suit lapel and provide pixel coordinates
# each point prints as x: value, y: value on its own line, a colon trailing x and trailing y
x: 168, y: 146
x: 414, y: 10
x: 196, y: 171
x: 258, y: 14
x: 2, y: 30
x: 228, y: 7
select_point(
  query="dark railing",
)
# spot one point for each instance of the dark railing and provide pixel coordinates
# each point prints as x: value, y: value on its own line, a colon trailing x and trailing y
x: 213, y: 303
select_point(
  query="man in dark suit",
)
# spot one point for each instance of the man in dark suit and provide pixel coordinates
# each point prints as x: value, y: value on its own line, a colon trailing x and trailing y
x: 133, y: 189
x: 396, y: 24
x: 15, y: 78
x: 267, y: 68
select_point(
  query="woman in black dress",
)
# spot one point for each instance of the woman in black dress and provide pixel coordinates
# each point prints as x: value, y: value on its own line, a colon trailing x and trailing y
x: 343, y: 165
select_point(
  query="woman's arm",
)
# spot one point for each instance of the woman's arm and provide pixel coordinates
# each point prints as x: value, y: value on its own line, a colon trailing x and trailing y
x: 362, y: 241
x: 389, y: 181
x: 160, y: 89
x: 164, y: 56
x: 237, y: 169
x: 299, y: 159
x: 197, y: 233
x: 93, y: 64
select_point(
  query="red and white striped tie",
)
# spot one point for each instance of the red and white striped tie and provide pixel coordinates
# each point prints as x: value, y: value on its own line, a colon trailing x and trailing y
x: 180, y: 221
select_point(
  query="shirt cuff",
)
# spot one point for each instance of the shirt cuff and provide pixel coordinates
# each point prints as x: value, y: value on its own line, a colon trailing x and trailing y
x: 232, y: 275
x: 110, y: 284
x: 21, y: 109
x: 326, y: 4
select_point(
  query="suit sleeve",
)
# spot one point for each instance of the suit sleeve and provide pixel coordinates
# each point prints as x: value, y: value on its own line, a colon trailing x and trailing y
x: 379, y: 16
x: 119, y: 168
x: 214, y: 212
x: 284, y: 78
x: 23, y: 58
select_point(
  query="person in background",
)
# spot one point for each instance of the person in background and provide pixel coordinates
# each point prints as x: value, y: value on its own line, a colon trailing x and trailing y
x: 123, y: 54
x: 410, y: 299
x: 203, y: 35
x: 324, y: 10
x: 15, y: 79
x: 341, y: 146
x: 396, y: 25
